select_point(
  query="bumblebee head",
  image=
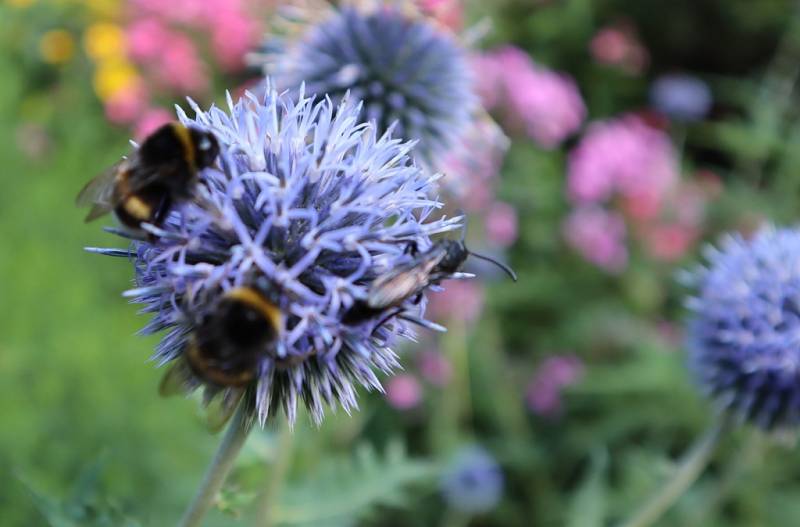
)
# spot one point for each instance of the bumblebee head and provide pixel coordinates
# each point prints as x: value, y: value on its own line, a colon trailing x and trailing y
x: 206, y: 147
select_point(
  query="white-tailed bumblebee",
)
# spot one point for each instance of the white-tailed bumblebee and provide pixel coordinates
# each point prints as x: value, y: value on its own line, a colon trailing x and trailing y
x: 389, y: 290
x: 162, y: 172
x: 226, y: 349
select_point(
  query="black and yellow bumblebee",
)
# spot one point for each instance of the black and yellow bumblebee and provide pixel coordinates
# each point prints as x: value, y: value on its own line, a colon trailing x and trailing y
x: 390, y: 290
x: 226, y: 349
x: 161, y: 172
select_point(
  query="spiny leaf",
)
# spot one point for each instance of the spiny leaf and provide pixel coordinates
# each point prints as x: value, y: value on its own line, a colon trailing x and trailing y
x: 346, y: 489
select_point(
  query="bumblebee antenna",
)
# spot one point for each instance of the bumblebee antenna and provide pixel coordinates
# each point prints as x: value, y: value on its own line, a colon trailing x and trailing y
x: 508, y: 270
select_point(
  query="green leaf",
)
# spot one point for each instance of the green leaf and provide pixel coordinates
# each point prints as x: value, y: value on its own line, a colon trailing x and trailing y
x: 588, y: 503
x: 86, y: 506
x: 344, y: 490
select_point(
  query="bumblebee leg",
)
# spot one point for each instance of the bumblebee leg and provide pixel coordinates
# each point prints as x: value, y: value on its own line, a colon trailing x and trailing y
x: 385, y: 319
x: 162, y: 210
x: 412, y: 248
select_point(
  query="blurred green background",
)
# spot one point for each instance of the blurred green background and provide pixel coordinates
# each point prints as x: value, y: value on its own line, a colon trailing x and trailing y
x: 85, y: 439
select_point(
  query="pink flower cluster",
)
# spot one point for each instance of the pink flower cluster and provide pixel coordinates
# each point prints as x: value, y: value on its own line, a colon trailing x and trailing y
x: 543, y: 394
x: 624, y: 169
x: 544, y: 104
x: 449, y: 13
x: 231, y: 24
x: 405, y: 392
x: 598, y: 235
x: 460, y: 300
x: 157, y: 40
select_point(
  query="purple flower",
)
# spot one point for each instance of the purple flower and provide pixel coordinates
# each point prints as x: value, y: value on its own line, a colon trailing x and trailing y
x: 411, y: 73
x: 310, y: 206
x: 473, y: 483
x: 744, y: 333
x: 681, y: 97
x: 543, y: 394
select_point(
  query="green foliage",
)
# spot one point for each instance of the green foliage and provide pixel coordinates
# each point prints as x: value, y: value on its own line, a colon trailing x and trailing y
x: 86, y: 505
x: 343, y: 490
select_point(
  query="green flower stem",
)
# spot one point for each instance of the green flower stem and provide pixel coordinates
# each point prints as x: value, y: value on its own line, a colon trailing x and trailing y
x: 455, y: 402
x: 265, y: 513
x: 217, y: 471
x: 687, y: 473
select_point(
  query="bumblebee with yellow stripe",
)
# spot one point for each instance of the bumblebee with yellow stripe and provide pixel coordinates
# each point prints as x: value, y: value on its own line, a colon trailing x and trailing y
x: 226, y: 349
x: 162, y: 172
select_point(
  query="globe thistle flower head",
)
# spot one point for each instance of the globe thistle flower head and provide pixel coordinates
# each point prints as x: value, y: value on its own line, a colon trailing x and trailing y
x: 473, y: 483
x: 406, y: 69
x: 744, y: 334
x: 681, y: 97
x: 308, y: 206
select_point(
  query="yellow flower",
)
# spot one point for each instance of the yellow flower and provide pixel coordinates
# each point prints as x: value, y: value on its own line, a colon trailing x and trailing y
x: 112, y: 76
x: 103, y: 8
x: 104, y: 40
x: 57, y: 46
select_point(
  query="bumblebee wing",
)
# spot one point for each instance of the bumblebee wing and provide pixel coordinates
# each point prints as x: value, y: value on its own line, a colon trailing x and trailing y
x: 220, y: 409
x: 176, y: 380
x: 396, y: 286
x: 99, y: 192
x: 141, y: 175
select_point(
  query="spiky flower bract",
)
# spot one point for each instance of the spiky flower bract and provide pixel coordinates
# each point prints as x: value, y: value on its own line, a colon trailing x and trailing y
x: 311, y: 206
x: 743, y: 336
x: 406, y: 69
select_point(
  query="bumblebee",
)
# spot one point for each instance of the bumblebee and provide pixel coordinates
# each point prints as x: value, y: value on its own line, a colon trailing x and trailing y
x: 162, y: 172
x: 226, y: 349
x: 388, y: 291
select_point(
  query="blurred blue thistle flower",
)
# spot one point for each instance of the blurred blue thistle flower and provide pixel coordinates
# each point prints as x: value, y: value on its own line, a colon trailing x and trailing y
x: 473, y: 483
x: 406, y: 70
x: 744, y: 336
x: 681, y: 97
x: 311, y: 205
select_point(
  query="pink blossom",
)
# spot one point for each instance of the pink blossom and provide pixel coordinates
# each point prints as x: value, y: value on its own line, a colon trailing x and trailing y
x: 501, y: 224
x: 233, y: 29
x: 146, y: 39
x: 599, y: 236
x: 543, y: 394
x: 461, y: 300
x: 545, y: 104
x: 404, y: 392
x: 489, y: 81
x: 180, y: 67
x: 233, y: 35
x: 619, y: 46
x: 622, y: 156
x: 150, y: 121
x: 434, y: 367
x: 471, y: 167
x: 449, y: 13
x: 127, y: 104
x: 669, y: 242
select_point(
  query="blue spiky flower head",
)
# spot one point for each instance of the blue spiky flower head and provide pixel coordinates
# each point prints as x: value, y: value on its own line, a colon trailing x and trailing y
x: 311, y: 206
x: 473, y: 481
x: 406, y: 69
x: 744, y: 334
